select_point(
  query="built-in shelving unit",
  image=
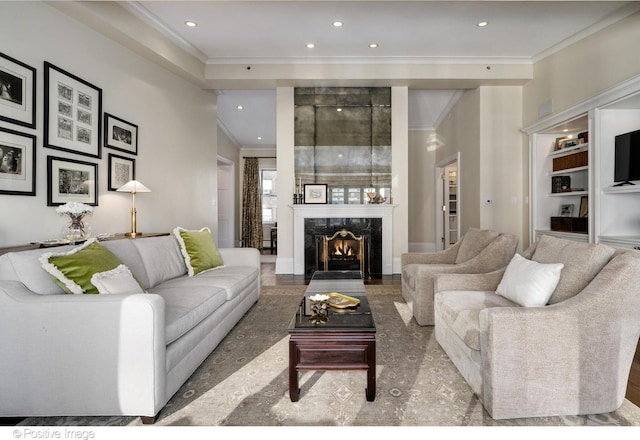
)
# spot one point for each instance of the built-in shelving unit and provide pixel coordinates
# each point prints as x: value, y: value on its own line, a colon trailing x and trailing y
x: 617, y: 207
x: 546, y: 203
x: 452, y: 183
x: 608, y: 213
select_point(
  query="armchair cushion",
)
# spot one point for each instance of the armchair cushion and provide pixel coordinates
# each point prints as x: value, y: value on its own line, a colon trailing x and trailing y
x: 473, y: 242
x: 528, y: 283
x: 582, y: 262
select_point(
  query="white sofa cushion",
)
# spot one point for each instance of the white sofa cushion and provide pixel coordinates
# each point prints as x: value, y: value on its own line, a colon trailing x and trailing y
x: 528, y: 283
x: 118, y: 280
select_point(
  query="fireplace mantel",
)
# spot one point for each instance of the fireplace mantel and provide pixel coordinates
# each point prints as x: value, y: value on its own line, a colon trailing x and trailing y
x: 383, y: 211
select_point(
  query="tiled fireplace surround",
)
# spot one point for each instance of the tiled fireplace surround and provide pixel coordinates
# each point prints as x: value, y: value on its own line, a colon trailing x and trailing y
x: 384, y: 212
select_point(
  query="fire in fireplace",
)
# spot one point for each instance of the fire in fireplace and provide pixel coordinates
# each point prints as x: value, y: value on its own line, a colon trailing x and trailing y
x: 343, y: 251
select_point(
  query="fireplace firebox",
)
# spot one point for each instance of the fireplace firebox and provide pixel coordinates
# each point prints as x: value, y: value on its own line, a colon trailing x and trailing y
x: 343, y: 251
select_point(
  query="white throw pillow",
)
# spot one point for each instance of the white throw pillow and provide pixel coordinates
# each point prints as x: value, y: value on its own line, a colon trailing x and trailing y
x: 528, y: 283
x: 118, y: 280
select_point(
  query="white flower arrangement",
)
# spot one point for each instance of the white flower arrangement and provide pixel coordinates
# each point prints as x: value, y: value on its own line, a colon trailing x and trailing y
x: 319, y: 297
x: 74, y: 209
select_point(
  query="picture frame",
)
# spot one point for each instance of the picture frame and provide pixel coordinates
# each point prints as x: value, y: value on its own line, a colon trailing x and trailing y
x: 121, y: 170
x: 70, y: 180
x: 72, y: 113
x: 584, y: 207
x: 315, y: 193
x: 17, y: 92
x: 17, y: 163
x: 120, y: 134
x: 566, y: 210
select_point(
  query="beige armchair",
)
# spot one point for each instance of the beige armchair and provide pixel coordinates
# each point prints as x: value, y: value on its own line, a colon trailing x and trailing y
x: 569, y: 357
x: 478, y: 251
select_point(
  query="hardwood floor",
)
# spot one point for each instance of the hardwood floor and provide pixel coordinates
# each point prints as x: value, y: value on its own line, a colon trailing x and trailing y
x: 270, y: 278
x: 633, y: 386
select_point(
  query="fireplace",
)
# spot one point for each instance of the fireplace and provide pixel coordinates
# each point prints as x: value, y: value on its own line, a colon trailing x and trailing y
x: 343, y: 244
x: 373, y: 222
x: 343, y: 251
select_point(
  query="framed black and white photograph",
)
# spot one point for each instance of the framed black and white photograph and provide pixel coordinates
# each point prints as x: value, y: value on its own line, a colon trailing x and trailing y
x: 120, y: 134
x: 315, y: 193
x: 121, y: 170
x: 17, y: 92
x: 70, y: 180
x: 72, y: 113
x: 584, y: 207
x: 17, y: 163
x: 566, y: 210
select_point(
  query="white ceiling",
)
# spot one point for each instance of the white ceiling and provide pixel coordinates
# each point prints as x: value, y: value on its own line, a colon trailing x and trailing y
x: 276, y: 32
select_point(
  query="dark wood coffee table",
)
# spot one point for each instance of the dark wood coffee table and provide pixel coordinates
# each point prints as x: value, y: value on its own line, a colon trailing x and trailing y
x: 346, y: 341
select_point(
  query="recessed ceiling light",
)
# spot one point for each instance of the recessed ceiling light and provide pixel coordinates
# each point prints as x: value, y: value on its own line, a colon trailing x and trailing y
x: 310, y: 45
x: 338, y: 109
x: 191, y: 23
x: 259, y: 138
x: 565, y: 130
x: 483, y: 24
x: 373, y: 45
x: 239, y: 107
x: 337, y: 24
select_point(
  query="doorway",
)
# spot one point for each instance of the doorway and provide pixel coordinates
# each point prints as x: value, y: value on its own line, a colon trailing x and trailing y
x: 226, y: 205
x: 448, y: 204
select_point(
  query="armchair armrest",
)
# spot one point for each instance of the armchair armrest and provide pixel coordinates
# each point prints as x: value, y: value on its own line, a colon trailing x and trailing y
x: 573, y: 357
x: 461, y: 281
x: 447, y: 256
x: 81, y: 354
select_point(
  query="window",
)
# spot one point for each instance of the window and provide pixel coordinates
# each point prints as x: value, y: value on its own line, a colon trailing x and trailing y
x: 269, y: 195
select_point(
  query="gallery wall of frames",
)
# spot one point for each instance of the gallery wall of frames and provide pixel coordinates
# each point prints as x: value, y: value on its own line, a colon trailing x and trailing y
x: 73, y: 122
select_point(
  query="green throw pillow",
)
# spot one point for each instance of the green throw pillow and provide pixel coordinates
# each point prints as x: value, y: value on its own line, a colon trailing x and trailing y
x: 73, y: 270
x: 198, y: 249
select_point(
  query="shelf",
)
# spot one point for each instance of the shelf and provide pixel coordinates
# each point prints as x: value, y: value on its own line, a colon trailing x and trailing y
x: 570, y: 150
x: 621, y: 189
x: 569, y: 193
x: 569, y: 170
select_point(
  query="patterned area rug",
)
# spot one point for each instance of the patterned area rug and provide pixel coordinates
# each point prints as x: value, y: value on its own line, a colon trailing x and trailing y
x: 244, y: 382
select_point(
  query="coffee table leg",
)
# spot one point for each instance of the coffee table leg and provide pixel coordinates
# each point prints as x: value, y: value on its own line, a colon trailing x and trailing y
x: 294, y: 391
x: 371, y: 372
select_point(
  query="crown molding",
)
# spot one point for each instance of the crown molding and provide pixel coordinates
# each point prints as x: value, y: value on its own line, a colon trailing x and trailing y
x: 367, y: 60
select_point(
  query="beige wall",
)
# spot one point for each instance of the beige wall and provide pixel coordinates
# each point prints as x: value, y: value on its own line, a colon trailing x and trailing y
x: 177, y: 143
x: 501, y: 156
x: 484, y: 126
x: 585, y: 68
x: 422, y: 201
x: 460, y: 132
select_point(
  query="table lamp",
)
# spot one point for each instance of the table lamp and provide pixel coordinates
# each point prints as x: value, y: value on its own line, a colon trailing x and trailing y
x: 133, y: 187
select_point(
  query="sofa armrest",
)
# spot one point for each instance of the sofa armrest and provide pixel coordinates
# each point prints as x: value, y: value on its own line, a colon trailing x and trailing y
x: 240, y: 256
x: 569, y: 358
x: 81, y: 354
x: 462, y: 281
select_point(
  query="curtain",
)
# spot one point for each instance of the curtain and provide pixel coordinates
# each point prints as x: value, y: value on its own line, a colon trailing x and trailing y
x: 251, y: 205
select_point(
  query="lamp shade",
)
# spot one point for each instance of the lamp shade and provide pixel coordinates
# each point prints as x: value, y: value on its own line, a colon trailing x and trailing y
x: 133, y: 186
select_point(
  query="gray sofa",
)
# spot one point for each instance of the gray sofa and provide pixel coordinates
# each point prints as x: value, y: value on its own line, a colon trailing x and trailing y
x: 116, y: 354
x: 569, y: 357
x: 478, y: 251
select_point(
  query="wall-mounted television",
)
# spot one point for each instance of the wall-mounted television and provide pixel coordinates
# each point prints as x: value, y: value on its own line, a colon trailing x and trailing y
x: 627, y: 158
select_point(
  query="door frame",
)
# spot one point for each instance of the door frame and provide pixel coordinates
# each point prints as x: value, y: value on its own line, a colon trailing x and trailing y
x: 440, y: 167
x: 223, y: 162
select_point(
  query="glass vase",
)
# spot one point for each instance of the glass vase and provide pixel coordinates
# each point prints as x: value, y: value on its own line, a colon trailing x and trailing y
x: 76, y: 229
